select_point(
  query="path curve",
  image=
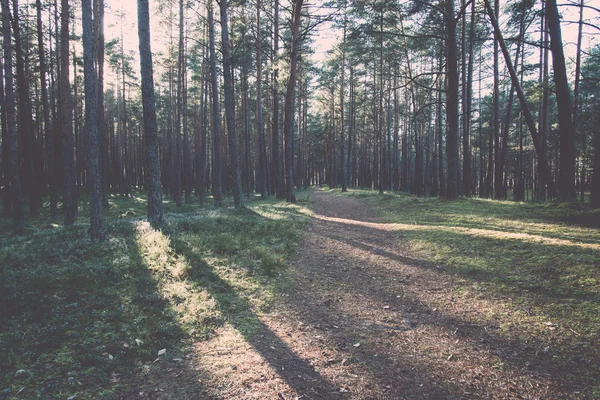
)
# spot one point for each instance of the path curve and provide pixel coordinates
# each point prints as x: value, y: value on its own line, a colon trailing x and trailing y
x: 363, y: 319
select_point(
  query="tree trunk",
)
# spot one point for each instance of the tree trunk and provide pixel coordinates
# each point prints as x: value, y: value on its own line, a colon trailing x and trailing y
x: 28, y: 145
x: 289, y: 101
x: 544, y: 169
x: 277, y: 170
x: 153, y: 185
x: 236, y: 186
x: 97, y: 231
x: 216, y: 110
x: 69, y: 189
x: 566, y: 178
x: 46, y: 115
x: 12, y: 141
x: 261, y: 181
x: 343, y: 160
x: 451, y: 104
x: 6, y: 200
x: 103, y: 137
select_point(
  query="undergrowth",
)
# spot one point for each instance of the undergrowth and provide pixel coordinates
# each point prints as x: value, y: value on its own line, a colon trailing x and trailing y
x: 83, y: 319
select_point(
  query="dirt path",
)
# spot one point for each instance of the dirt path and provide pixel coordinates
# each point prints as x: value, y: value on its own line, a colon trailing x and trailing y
x: 363, y: 320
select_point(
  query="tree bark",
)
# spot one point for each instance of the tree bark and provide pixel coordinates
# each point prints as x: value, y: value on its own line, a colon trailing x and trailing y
x: 153, y: 185
x: 69, y: 189
x: 216, y: 110
x: 12, y: 141
x: 544, y: 169
x: 289, y: 101
x: 566, y: 178
x: 451, y: 104
x: 277, y: 170
x: 261, y: 184
x: 97, y: 231
x: 236, y: 187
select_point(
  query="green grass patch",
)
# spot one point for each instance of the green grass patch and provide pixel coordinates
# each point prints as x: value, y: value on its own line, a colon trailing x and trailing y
x: 83, y: 319
x: 540, y: 260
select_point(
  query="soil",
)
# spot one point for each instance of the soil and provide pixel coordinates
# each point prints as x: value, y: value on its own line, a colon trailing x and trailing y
x: 363, y: 319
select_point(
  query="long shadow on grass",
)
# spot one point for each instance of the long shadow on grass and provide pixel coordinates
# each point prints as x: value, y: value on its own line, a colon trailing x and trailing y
x: 71, y: 313
x: 572, y: 359
x: 296, y: 371
x: 544, y: 284
x: 442, y: 212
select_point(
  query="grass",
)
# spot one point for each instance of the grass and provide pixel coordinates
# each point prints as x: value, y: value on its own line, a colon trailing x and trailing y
x: 536, y: 265
x: 85, y: 319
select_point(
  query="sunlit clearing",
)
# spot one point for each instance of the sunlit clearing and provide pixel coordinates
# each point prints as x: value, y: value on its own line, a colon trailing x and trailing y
x: 475, y: 232
x: 190, y: 304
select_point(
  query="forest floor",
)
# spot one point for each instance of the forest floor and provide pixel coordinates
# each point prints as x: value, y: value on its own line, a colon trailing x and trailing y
x: 385, y: 297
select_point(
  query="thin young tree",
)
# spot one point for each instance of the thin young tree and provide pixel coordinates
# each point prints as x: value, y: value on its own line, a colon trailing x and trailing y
x: 155, y: 206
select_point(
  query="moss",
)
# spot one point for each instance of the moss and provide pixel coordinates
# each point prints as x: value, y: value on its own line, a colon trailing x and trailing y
x: 75, y: 313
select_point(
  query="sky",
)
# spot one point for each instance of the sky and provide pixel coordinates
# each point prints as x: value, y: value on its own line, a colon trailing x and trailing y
x: 326, y: 35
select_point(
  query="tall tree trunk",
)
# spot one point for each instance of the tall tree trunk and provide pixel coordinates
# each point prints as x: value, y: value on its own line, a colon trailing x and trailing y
x: 451, y: 104
x: 97, y: 231
x: 343, y: 160
x: 261, y: 181
x: 203, y: 128
x: 216, y: 110
x: 6, y: 200
x: 277, y: 170
x: 236, y: 186
x: 12, y: 141
x: 595, y: 181
x: 182, y: 101
x: 496, y: 176
x: 153, y: 186
x: 28, y: 145
x: 566, y: 178
x: 380, y: 141
x: 103, y: 137
x: 467, y: 181
x: 289, y: 101
x: 68, y: 149
x: 46, y: 115
x: 576, y: 100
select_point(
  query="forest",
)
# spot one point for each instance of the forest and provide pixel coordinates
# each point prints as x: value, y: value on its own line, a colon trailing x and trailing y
x: 177, y: 176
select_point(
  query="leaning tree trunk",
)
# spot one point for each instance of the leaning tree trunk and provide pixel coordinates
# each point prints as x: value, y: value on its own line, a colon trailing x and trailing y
x: 155, y: 206
x: 12, y: 140
x: 97, y: 231
x: 544, y: 169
